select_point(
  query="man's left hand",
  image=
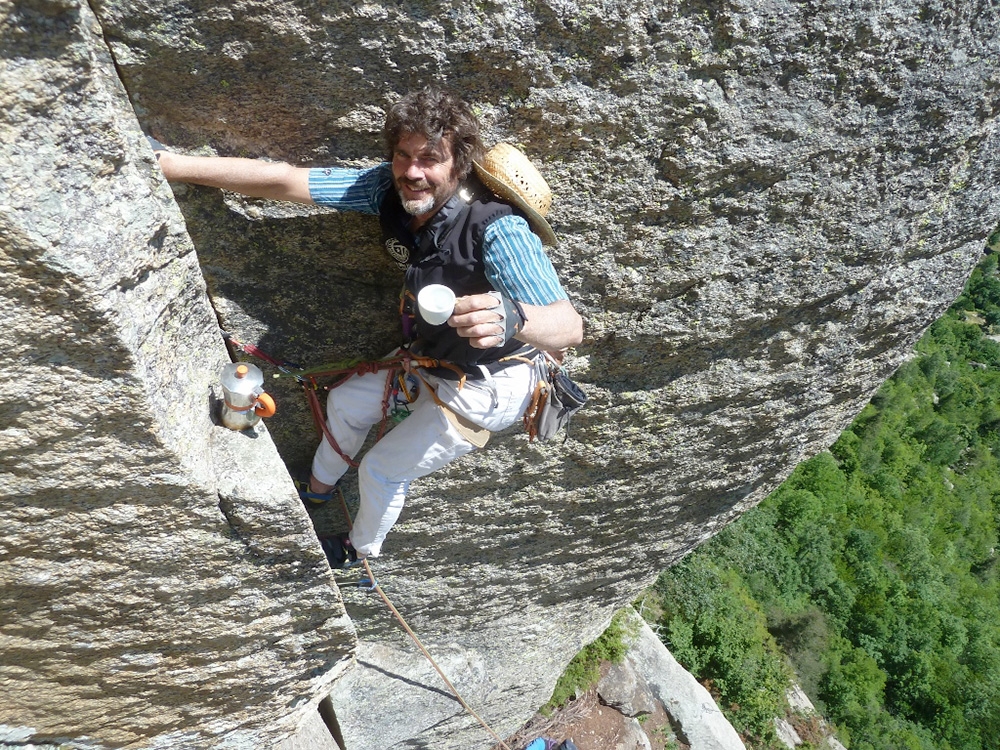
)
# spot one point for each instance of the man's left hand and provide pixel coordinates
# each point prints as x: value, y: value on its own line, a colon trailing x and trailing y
x: 479, y: 318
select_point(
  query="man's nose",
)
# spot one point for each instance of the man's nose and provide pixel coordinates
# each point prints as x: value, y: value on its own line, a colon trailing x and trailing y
x: 413, y: 171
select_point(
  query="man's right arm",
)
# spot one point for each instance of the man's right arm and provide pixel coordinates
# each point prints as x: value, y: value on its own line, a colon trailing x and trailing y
x: 251, y: 177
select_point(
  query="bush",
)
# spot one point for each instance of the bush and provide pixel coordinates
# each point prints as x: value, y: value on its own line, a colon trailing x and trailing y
x: 584, y: 671
x: 718, y: 632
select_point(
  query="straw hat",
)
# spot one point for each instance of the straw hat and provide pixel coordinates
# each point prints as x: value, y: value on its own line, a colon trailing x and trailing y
x: 512, y: 177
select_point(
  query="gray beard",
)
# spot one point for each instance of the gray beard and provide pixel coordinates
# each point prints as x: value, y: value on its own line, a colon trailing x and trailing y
x: 417, y: 207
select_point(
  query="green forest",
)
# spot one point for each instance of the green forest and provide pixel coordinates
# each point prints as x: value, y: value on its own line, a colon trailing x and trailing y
x: 871, y: 574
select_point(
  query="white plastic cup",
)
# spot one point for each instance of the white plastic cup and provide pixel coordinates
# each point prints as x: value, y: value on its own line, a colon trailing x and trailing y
x: 436, y: 303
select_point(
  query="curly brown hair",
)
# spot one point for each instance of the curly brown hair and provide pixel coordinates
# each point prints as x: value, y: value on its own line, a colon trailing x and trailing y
x: 437, y: 115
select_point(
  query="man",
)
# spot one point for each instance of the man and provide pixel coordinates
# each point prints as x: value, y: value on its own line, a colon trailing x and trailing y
x: 443, y: 226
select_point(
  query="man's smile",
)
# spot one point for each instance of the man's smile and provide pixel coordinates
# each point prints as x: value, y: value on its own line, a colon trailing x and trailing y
x: 415, y: 186
x: 423, y: 175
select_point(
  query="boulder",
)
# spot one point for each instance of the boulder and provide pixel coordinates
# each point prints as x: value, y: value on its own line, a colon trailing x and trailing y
x: 697, y: 720
x: 625, y: 691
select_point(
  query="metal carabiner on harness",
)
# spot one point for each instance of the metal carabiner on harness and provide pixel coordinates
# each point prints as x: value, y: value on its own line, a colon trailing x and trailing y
x: 404, y: 392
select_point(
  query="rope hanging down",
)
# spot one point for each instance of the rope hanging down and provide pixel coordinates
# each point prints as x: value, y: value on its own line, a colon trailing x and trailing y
x: 409, y: 631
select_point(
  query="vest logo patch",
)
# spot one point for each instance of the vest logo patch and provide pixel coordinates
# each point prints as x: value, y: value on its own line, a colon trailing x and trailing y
x: 398, y: 251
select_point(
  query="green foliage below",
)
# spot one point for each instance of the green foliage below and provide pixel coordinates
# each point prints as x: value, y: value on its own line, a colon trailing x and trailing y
x: 583, y: 671
x: 717, y: 631
x: 873, y: 568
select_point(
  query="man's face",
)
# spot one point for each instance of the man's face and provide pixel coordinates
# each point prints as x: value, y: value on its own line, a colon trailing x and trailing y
x: 423, y: 174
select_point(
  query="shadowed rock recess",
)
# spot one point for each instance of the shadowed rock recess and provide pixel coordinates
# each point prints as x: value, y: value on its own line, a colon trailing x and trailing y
x: 761, y: 206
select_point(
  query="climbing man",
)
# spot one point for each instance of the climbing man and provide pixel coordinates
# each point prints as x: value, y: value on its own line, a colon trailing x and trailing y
x: 450, y: 214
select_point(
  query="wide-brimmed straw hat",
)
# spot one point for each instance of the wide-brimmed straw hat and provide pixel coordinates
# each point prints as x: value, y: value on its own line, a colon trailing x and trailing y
x: 511, y: 176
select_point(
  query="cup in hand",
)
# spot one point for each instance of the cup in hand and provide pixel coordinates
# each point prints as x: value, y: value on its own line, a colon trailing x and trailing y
x: 436, y: 303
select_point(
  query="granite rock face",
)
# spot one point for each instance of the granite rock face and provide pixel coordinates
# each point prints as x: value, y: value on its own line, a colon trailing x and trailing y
x: 160, y: 585
x: 761, y: 206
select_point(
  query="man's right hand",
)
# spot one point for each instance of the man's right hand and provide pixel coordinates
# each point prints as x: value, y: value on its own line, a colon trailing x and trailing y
x: 253, y: 178
x: 157, y: 147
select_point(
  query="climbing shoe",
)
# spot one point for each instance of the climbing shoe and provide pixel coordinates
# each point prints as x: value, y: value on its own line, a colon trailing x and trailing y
x: 310, y: 498
x: 339, y: 551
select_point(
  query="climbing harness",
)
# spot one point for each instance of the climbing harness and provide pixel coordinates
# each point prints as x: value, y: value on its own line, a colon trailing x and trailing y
x: 400, y: 384
x: 555, y: 400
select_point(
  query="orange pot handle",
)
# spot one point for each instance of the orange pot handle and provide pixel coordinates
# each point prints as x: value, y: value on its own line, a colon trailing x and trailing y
x: 265, y: 406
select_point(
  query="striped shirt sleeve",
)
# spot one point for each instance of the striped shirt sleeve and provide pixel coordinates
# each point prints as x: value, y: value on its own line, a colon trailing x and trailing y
x: 350, y: 189
x: 516, y: 264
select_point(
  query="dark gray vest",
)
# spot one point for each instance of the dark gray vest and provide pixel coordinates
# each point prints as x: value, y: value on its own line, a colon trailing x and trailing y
x: 446, y: 250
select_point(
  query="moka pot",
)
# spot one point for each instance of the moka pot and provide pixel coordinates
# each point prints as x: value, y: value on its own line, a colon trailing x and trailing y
x: 244, y: 400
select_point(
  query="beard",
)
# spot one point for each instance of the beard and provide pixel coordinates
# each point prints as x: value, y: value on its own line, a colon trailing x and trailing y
x: 417, y: 207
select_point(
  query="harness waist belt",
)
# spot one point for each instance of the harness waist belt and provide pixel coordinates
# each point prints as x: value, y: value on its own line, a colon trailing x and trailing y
x: 475, y: 372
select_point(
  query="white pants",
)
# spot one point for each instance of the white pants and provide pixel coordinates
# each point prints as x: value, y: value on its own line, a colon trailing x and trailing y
x: 423, y: 442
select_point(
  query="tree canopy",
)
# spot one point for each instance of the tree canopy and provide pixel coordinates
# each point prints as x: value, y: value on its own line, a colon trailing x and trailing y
x: 873, y: 569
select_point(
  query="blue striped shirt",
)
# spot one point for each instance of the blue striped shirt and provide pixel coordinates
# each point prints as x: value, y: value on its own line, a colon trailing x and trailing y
x: 516, y: 264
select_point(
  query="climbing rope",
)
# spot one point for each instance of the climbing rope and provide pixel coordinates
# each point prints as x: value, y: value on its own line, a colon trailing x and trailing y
x: 374, y: 586
x: 409, y: 631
